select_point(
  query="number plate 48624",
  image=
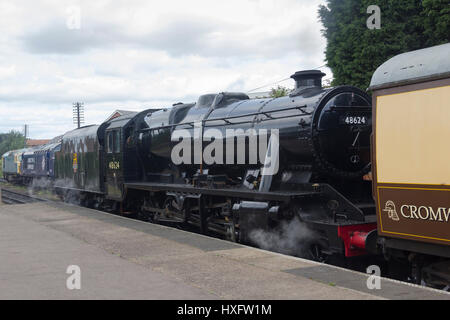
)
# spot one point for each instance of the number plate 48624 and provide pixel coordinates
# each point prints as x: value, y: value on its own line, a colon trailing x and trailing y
x: 354, y: 120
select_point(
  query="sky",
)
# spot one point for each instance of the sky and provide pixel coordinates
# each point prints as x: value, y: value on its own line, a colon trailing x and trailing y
x: 140, y: 54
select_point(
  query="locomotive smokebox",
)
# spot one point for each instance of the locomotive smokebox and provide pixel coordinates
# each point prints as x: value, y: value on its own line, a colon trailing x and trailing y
x: 308, y: 78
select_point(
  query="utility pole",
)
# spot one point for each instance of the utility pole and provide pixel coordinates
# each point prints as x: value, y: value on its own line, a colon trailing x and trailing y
x: 78, y: 113
x: 25, y: 131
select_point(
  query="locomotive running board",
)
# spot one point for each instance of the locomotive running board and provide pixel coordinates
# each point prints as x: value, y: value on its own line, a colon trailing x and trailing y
x: 284, y: 196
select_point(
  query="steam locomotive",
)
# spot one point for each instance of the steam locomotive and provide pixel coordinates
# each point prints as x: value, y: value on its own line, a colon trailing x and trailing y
x: 317, y: 138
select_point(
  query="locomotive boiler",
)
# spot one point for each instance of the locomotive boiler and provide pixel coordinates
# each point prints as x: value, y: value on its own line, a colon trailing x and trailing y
x: 326, y: 130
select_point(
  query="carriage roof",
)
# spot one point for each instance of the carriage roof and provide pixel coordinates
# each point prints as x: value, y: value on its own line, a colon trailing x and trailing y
x: 413, y: 67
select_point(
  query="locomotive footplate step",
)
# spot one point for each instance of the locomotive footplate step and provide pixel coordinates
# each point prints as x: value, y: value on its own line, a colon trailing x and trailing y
x: 241, y: 192
x: 122, y: 258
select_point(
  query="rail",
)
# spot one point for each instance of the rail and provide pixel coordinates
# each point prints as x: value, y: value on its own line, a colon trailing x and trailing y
x: 12, y: 197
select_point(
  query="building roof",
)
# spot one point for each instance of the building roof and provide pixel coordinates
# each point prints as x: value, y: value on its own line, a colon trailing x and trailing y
x: 412, y: 67
x: 119, y: 113
x: 36, y: 142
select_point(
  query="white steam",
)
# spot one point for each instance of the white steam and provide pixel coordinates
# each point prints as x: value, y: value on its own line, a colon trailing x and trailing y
x: 291, y: 237
x: 38, y: 184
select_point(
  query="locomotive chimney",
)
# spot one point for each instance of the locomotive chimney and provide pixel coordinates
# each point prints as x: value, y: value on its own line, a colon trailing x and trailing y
x: 308, y: 78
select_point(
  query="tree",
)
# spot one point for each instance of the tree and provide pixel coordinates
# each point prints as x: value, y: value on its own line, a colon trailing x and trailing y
x: 436, y: 15
x: 279, y: 91
x: 11, y: 141
x: 354, y: 51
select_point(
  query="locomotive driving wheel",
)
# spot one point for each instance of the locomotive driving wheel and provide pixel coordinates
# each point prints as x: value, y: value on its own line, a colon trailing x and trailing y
x: 172, y: 211
x: 314, y: 252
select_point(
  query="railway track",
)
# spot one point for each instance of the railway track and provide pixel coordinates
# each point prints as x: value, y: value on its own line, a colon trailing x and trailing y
x: 12, y: 197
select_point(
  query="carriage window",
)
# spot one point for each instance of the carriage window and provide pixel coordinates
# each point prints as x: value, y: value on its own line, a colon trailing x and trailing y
x: 117, y: 141
x: 109, y: 142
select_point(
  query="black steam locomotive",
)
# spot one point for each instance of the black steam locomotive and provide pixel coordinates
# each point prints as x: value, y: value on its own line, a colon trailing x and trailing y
x: 197, y: 164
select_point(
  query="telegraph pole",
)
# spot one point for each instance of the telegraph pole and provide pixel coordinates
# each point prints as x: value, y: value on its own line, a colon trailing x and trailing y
x: 25, y: 134
x: 78, y: 113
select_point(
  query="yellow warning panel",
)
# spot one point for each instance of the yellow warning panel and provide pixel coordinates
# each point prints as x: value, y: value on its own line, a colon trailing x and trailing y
x: 413, y: 137
x: 75, y: 162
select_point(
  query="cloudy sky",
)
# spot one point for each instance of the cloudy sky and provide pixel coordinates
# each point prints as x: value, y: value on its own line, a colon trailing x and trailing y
x: 133, y: 54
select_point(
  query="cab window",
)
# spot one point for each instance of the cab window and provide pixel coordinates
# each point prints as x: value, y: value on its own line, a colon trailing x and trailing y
x: 109, y: 142
x: 116, y: 141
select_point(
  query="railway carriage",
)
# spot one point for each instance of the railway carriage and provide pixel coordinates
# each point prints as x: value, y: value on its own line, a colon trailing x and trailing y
x: 411, y: 152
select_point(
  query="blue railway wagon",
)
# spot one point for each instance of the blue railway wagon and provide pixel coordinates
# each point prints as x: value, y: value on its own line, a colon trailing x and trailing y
x: 40, y: 161
x: 29, y: 163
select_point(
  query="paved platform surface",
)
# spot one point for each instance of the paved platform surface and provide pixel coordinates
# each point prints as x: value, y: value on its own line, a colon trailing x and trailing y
x: 122, y: 258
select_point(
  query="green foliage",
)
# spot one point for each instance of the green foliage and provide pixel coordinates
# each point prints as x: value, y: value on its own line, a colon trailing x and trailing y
x: 354, y: 52
x: 436, y: 16
x: 11, y: 141
x: 279, y: 91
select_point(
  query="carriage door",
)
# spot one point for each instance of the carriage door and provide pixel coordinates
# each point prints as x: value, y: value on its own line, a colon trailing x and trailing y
x: 113, y: 164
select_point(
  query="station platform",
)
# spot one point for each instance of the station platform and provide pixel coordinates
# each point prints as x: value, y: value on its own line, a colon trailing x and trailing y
x: 122, y: 258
